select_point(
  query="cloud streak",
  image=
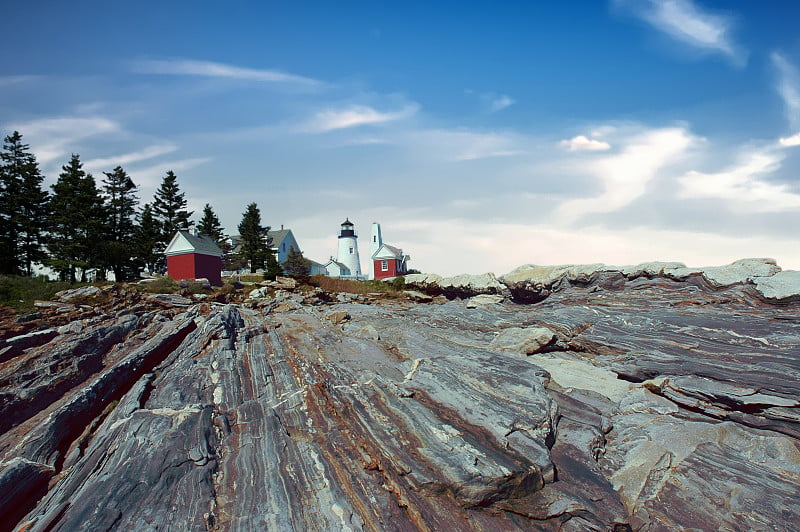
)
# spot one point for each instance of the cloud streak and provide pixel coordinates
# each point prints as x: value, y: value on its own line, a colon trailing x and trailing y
x: 743, y: 185
x: 788, y: 87
x: 188, y: 67
x: 685, y: 22
x: 353, y: 116
x: 54, y: 138
x: 128, y: 158
x: 624, y: 177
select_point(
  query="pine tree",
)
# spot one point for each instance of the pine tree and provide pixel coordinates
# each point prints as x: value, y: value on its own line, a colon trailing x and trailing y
x: 209, y: 225
x: 273, y: 268
x: 255, y: 241
x: 120, y: 202
x: 146, y: 240
x: 23, y: 208
x: 169, y: 209
x: 296, y: 265
x: 76, y: 222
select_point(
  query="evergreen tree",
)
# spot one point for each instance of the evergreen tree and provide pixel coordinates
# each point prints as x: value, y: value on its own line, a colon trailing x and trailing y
x: 255, y: 241
x: 146, y: 240
x: 23, y: 208
x: 76, y: 222
x: 209, y: 225
x: 169, y: 209
x: 273, y: 268
x: 296, y: 265
x: 120, y: 202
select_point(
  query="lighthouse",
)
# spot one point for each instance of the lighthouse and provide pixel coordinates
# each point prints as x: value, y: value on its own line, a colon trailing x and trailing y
x: 348, y: 248
x: 375, y: 243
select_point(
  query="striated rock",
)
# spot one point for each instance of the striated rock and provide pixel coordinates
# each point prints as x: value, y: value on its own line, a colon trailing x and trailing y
x: 459, y: 286
x: 739, y: 272
x: 65, y: 296
x: 419, y: 297
x: 169, y: 300
x: 650, y: 269
x: 651, y: 405
x: 483, y: 300
x: 526, y: 341
x: 781, y: 287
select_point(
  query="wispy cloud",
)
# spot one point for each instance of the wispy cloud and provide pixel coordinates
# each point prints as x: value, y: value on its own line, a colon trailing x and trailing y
x: 684, y: 21
x: 464, y: 145
x: 744, y: 184
x: 353, y: 116
x: 788, y: 87
x: 149, y: 177
x: 500, y: 103
x: 624, y: 177
x: 150, y: 152
x: 494, y: 102
x: 55, y: 138
x: 188, y: 67
x: 582, y: 143
x: 7, y: 81
x: 788, y: 142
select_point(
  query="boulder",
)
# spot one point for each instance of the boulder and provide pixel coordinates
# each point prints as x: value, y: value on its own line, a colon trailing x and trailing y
x: 526, y: 341
x: 337, y: 317
x: 417, y: 296
x: 742, y: 271
x: 781, y: 287
x: 484, y: 300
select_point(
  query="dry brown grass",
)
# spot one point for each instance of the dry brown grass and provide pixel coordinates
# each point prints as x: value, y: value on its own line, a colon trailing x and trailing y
x: 334, y: 285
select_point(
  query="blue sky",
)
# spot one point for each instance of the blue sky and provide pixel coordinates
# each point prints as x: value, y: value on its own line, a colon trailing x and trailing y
x: 482, y: 136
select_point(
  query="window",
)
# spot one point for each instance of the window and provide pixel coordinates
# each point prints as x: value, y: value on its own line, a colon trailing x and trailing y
x: 384, y: 265
x: 351, y: 251
x: 374, y: 238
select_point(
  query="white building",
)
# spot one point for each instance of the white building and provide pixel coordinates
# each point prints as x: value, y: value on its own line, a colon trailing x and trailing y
x: 347, y: 255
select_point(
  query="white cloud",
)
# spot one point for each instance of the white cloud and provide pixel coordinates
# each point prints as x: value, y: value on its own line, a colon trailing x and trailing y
x: 582, y: 143
x: 353, y: 116
x: 53, y: 139
x: 188, y: 67
x: 743, y: 185
x: 500, y: 103
x: 686, y: 22
x: 793, y: 140
x: 788, y: 87
x: 7, y: 81
x: 150, y: 152
x: 624, y: 177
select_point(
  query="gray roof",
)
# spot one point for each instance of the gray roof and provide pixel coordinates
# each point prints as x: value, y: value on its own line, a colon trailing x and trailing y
x: 278, y: 236
x: 201, y: 244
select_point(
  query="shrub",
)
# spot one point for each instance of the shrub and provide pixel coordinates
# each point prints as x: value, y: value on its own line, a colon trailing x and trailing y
x: 19, y: 292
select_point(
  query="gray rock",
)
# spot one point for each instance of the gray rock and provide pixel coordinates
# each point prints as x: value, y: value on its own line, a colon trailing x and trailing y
x: 783, y: 286
x: 484, y: 300
x: 66, y: 296
x: 526, y: 341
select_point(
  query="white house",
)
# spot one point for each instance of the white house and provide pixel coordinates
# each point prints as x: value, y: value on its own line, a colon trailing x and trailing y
x: 334, y: 268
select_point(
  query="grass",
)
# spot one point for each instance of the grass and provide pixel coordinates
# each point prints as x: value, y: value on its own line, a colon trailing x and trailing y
x: 19, y: 292
x: 335, y: 285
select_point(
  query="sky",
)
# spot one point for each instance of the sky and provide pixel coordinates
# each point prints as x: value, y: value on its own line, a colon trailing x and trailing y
x: 481, y: 135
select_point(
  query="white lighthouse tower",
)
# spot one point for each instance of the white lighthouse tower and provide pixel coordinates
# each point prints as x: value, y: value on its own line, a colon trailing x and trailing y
x: 375, y: 243
x: 348, y: 249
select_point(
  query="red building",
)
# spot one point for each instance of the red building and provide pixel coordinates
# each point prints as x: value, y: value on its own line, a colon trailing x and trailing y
x: 389, y: 261
x: 194, y: 257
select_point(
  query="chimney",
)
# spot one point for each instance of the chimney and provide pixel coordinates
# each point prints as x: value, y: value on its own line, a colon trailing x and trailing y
x: 281, y: 227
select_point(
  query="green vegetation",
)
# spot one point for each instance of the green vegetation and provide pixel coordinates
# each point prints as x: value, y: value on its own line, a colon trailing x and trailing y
x: 19, y: 293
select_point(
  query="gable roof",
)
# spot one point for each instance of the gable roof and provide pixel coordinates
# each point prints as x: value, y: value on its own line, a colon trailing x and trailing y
x: 342, y: 267
x: 388, y: 252
x: 184, y: 242
x: 278, y: 236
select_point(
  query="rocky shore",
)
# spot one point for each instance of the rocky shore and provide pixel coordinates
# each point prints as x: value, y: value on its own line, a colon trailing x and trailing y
x: 654, y: 397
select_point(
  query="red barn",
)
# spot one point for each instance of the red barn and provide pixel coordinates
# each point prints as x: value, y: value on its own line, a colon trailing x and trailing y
x: 389, y: 261
x: 194, y: 257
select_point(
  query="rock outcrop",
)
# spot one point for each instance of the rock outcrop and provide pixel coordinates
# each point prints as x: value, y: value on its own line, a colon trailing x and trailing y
x: 623, y: 400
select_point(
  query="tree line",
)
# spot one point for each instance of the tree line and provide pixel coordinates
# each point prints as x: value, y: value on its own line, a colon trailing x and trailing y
x: 78, y: 226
